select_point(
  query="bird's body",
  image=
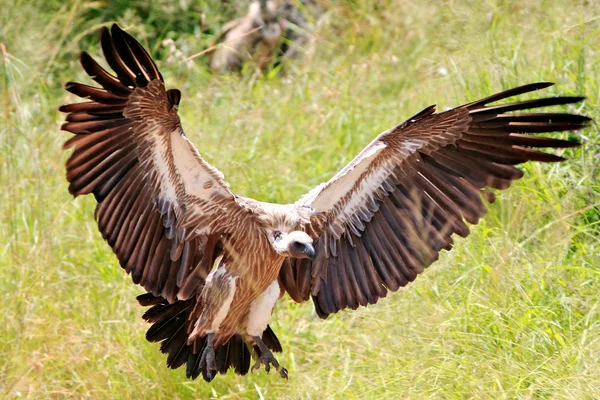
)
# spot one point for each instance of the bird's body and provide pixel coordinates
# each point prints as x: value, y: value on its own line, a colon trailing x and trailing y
x: 254, y: 265
x: 214, y: 264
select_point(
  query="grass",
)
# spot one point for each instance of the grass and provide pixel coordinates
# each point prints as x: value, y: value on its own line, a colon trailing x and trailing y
x: 511, y: 312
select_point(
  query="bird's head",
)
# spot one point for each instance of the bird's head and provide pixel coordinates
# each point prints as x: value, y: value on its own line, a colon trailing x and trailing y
x: 296, y: 244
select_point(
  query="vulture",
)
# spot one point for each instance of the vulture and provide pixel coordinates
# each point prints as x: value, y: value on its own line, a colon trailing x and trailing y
x: 213, y: 264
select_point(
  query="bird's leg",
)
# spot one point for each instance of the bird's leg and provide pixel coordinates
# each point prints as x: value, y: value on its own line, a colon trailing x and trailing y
x: 208, y: 355
x: 267, y: 358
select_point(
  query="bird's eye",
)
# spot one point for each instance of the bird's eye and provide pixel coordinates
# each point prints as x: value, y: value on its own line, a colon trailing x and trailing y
x: 276, y: 235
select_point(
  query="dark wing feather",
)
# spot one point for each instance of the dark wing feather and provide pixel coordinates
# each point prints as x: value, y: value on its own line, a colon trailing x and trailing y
x: 161, y: 207
x: 384, y: 218
x: 159, y: 202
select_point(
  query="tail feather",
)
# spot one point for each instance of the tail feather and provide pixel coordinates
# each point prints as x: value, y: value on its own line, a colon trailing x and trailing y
x: 271, y: 340
x: 169, y: 327
x: 239, y: 355
x: 176, y: 348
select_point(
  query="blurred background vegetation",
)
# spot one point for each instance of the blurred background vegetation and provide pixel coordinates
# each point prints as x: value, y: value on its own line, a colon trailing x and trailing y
x: 511, y: 312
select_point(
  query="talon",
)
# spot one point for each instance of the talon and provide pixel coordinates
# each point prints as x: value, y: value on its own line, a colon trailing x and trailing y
x: 255, y: 366
x: 209, y: 375
x: 208, y: 355
x: 267, y: 359
x: 283, y: 373
x: 208, y: 359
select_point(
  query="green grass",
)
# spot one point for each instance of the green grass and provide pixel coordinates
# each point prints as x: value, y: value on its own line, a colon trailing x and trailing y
x: 512, y: 312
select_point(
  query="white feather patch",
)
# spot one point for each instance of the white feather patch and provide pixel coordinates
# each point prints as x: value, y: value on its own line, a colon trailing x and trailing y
x: 198, y: 176
x: 344, y: 181
x: 161, y: 159
x: 261, y: 310
x: 368, y: 186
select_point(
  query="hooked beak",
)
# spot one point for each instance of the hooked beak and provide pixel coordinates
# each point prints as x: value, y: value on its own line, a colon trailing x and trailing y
x: 309, y: 250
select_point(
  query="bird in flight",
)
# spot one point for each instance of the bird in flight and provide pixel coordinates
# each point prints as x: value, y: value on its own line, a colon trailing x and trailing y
x: 213, y: 264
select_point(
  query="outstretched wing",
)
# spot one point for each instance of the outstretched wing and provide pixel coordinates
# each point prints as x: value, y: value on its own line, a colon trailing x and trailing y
x: 385, y: 217
x: 161, y: 207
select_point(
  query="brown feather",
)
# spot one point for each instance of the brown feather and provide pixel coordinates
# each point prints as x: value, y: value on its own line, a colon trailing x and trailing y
x: 117, y: 223
x: 143, y: 59
x: 85, y: 116
x: 479, y: 166
x: 286, y: 279
x: 380, y: 259
x: 100, y: 75
x: 129, y: 224
x: 86, y: 159
x: 303, y: 275
x: 346, y: 276
x: 375, y: 282
x: 390, y: 254
x: 337, y: 290
x: 91, y: 107
x: 508, y: 93
x: 126, y: 77
x: 128, y: 58
x: 94, y: 93
x: 394, y: 234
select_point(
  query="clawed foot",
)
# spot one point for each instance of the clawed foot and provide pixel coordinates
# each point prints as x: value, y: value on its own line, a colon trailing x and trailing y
x: 208, y: 355
x: 267, y: 359
x: 208, y: 359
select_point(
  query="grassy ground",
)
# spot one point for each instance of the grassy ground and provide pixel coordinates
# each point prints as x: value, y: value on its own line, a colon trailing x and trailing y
x: 512, y: 312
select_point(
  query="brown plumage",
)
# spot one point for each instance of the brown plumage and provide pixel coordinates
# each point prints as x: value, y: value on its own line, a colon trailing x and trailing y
x: 214, y: 263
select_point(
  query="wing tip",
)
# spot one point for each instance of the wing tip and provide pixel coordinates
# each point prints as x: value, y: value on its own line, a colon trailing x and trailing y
x: 570, y: 144
x: 542, y: 85
x: 115, y: 28
x: 84, y: 56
